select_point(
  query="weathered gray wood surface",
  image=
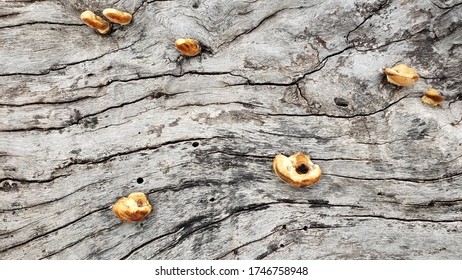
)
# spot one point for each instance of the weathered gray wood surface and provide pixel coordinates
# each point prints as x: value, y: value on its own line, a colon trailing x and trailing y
x: 84, y: 116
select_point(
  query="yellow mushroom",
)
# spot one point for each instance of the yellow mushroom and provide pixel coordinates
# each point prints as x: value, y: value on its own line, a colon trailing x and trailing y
x: 95, y: 22
x: 188, y: 47
x: 401, y: 75
x: 297, y: 170
x: 116, y: 16
x: 133, y: 208
x: 432, y: 97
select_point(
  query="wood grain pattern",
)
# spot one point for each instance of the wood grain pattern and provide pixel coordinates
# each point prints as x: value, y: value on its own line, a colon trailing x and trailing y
x: 83, y: 116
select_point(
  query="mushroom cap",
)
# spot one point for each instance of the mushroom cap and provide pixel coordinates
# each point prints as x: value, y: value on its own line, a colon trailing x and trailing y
x: 96, y: 22
x: 133, y: 208
x: 116, y: 16
x: 432, y: 97
x: 188, y: 47
x: 297, y: 170
x: 401, y: 75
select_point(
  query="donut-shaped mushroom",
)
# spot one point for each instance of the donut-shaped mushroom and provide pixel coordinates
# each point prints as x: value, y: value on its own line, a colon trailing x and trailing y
x: 133, y: 208
x: 401, y: 75
x: 297, y: 170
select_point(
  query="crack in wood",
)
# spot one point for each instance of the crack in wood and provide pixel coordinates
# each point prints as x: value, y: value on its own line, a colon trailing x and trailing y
x: 137, y: 150
x: 244, y: 104
x: 191, y: 229
x: 412, y: 180
x: 72, y: 244
x: 336, y: 116
x: 31, y: 181
x: 447, y: 8
x: 373, y: 13
x: 53, y: 230
x: 265, y: 19
x: 41, y: 103
x: 236, y: 250
x: 400, y: 219
x: 53, y: 200
x: 42, y: 23
x: 64, y: 66
x: 77, y: 120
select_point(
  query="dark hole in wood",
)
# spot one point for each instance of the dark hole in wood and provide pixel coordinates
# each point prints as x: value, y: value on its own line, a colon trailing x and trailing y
x: 284, y: 226
x: 282, y: 245
x: 195, y: 144
x: 302, y: 169
x: 212, y: 199
x: 341, y: 102
x: 305, y: 228
x: 140, y: 180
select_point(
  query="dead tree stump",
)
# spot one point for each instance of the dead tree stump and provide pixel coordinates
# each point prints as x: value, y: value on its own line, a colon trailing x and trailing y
x: 86, y: 119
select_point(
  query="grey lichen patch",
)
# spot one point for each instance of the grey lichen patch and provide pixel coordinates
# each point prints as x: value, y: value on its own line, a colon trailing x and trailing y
x: 90, y: 122
x: 174, y: 123
x: 156, y: 129
x: 75, y: 117
x: 9, y: 187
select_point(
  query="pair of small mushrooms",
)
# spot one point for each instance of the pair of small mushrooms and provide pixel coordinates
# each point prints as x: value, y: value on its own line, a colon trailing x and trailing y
x: 101, y: 25
x: 402, y: 75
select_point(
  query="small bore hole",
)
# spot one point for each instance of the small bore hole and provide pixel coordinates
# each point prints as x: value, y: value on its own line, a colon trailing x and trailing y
x: 281, y: 245
x: 212, y: 199
x: 195, y: 144
x: 305, y: 228
x: 341, y: 102
x: 284, y: 226
x: 140, y: 180
x: 302, y: 169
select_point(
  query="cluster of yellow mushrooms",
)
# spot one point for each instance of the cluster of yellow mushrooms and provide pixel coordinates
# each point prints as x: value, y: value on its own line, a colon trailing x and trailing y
x: 403, y: 76
x: 101, y: 25
x: 186, y: 46
x: 296, y: 170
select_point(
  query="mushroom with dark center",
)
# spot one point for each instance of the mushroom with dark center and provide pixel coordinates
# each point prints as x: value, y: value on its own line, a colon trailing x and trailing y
x: 297, y: 170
